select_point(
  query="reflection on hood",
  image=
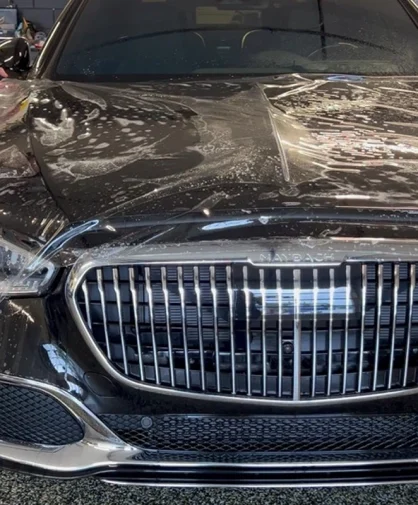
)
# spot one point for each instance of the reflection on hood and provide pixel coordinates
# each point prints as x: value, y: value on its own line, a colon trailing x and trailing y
x: 243, y: 145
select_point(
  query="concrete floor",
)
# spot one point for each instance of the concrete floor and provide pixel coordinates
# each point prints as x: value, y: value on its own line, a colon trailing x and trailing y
x: 24, y: 490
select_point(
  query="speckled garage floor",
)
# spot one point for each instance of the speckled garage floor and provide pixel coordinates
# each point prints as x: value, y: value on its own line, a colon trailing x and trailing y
x: 24, y: 490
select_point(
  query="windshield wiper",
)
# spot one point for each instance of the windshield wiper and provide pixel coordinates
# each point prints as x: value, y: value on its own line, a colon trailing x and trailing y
x: 122, y: 40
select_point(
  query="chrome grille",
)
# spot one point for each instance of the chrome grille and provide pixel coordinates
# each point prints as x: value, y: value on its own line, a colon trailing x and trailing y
x: 236, y: 329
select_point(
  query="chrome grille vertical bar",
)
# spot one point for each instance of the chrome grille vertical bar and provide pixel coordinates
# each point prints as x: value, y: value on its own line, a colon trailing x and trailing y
x: 134, y: 298
x: 314, y: 330
x: 346, y: 325
x: 331, y: 324
x: 180, y: 279
x: 263, y: 332
x: 247, y: 327
x: 363, y: 324
x: 116, y: 289
x: 378, y: 317
x: 167, y: 320
x: 87, y: 302
x: 394, y: 316
x: 279, y: 336
x: 199, y: 325
x: 100, y: 287
x: 412, y: 281
x: 215, y: 326
x: 231, y: 327
x: 152, y: 324
x: 297, y: 350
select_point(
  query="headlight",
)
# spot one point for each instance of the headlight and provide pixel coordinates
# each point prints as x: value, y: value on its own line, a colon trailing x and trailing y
x: 22, y: 272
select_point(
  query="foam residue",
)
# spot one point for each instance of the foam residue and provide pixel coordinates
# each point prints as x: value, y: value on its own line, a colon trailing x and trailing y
x: 54, y: 134
x: 14, y: 163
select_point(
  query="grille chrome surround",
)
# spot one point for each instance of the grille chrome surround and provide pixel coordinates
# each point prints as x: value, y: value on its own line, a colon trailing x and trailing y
x: 280, y: 376
x: 196, y: 256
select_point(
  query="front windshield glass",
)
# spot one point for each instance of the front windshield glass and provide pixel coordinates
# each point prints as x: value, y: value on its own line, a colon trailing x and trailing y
x: 132, y: 39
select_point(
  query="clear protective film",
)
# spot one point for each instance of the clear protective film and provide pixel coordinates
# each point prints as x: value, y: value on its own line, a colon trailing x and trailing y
x: 93, y: 170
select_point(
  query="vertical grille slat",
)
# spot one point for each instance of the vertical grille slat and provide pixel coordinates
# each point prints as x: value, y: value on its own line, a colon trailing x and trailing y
x: 116, y: 289
x: 167, y: 318
x: 215, y: 326
x: 257, y: 331
x: 378, y: 322
x: 362, y: 325
x: 199, y: 326
x: 314, y: 329
x: 180, y: 280
x: 134, y: 298
x: 152, y: 324
x: 346, y: 325
x: 297, y: 336
x: 100, y: 287
x: 280, y: 335
x: 412, y: 281
x: 247, y: 328
x: 231, y: 328
x: 85, y: 289
x: 263, y: 332
x: 330, y: 332
x: 393, y: 323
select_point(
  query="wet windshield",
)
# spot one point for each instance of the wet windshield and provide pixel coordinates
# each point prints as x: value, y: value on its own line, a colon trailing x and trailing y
x: 130, y: 39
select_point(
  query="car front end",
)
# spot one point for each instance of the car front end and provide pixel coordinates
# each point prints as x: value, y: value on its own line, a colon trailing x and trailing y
x: 210, y: 278
x: 298, y: 366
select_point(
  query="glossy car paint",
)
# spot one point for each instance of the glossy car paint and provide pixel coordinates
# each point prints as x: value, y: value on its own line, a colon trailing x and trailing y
x: 293, y: 158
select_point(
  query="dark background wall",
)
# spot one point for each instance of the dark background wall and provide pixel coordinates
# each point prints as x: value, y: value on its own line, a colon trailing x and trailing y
x: 42, y: 13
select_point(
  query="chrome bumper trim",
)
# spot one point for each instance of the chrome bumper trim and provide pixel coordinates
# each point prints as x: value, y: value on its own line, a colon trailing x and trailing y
x: 100, y: 447
x: 102, y: 450
x: 306, y: 485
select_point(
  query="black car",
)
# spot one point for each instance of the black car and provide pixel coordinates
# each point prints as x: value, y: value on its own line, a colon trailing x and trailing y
x: 209, y: 243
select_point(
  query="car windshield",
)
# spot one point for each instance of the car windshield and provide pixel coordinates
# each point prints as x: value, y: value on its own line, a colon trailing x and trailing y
x: 133, y: 39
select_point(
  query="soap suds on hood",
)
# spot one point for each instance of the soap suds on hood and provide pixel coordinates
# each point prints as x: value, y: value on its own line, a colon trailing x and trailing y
x: 14, y: 164
x: 54, y: 134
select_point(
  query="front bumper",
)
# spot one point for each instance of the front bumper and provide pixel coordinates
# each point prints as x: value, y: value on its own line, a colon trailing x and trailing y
x: 44, y: 352
x: 103, y: 454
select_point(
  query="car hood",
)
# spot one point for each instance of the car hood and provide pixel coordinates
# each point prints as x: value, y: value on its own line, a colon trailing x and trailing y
x: 239, y: 147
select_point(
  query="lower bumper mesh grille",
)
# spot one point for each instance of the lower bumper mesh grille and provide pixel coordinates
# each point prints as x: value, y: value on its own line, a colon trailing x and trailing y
x: 276, y: 458
x: 290, y: 334
x: 269, y: 439
x: 33, y: 417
